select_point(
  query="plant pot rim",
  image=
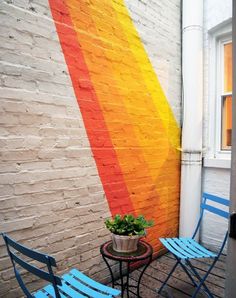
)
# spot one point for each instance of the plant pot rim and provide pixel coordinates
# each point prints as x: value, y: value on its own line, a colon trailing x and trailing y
x: 127, y: 236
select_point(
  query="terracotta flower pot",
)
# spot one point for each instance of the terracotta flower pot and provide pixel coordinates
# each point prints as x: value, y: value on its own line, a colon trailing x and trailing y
x: 125, y: 244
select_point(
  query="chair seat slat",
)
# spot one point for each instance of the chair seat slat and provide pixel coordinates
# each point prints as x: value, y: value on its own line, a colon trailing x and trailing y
x: 208, y: 253
x: 84, y: 278
x: 188, y: 247
x: 70, y: 292
x: 200, y: 253
x: 178, y: 248
x: 170, y: 248
x: 50, y: 290
x: 40, y: 294
x: 83, y: 288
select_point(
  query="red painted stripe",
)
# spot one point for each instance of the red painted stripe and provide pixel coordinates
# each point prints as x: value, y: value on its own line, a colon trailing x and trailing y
x: 101, y: 145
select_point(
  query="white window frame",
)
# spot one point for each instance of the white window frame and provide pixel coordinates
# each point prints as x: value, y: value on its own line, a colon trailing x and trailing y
x: 219, y: 93
x: 214, y: 155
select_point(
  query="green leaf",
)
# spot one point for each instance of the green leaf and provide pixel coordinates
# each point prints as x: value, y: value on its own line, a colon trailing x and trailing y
x: 128, y: 224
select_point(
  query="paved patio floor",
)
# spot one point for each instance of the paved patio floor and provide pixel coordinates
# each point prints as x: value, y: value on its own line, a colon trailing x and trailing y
x: 179, y: 284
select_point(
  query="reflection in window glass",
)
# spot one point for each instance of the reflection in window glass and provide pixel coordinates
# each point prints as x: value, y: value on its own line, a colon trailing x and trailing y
x: 227, y: 98
x: 228, y: 67
x: 226, y: 122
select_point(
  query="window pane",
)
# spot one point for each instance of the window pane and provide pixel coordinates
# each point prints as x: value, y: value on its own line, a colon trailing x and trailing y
x: 228, y: 67
x: 226, y: 122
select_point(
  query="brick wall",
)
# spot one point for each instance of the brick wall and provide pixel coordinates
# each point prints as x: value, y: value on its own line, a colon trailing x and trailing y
x: 158, y: 23
x: 52, y: 198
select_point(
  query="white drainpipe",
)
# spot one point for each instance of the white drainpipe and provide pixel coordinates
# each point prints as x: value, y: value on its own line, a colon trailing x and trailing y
x: 191, y: 161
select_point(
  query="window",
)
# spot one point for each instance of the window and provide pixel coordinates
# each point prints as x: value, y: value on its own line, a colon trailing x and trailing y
x: 226, y: 95
x: 219, y: 97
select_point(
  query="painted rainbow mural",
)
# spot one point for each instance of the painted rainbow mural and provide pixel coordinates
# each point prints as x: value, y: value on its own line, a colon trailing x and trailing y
x: 132, y: 131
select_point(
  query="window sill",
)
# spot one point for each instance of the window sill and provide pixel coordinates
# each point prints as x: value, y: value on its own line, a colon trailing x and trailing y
x: 217, y: 163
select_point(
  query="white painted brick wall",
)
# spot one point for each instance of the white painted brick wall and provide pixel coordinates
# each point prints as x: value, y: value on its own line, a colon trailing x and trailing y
x: 51, y: 196
x: 215, y: 180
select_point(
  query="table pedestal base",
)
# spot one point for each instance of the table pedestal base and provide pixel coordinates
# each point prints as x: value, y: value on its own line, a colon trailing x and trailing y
x: 143, y: 254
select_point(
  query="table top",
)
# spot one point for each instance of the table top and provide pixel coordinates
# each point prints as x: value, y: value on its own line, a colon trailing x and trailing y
x: 143, y: 252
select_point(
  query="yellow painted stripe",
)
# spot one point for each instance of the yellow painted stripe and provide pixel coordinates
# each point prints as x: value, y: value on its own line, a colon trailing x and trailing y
x: 141, y: 124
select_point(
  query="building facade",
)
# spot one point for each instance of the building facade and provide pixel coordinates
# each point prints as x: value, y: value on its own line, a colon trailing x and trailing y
x: 91, y: 120
x: 217, y: 119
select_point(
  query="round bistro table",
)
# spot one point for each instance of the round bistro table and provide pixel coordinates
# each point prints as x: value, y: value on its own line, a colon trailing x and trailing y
x: 143, y: 254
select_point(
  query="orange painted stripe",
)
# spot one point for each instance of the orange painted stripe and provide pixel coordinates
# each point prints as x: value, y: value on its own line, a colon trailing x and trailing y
x: 100, y: 141
x: 130, y: 125
x: 147, y: 158
x: 111, y: 99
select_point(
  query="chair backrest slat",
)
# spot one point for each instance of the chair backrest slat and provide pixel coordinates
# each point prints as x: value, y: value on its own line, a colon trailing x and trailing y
x: 31, y: 253
x: 216, y: 209
x: 213, y: 209
x: 36, y: 271
x: 216, y: 199
x: 16, y: 251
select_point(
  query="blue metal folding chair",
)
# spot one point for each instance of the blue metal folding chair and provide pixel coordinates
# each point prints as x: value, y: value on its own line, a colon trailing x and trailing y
x: 186, y: 249
x: 73, y: 284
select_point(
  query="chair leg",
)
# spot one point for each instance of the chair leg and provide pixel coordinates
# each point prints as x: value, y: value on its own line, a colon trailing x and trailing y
x: 202, y: 280
x: 189, y: 275
x: 169, y: 275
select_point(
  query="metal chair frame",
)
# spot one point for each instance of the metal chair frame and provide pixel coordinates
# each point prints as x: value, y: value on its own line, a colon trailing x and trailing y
x: 185, y: 249
x: 73, y: 284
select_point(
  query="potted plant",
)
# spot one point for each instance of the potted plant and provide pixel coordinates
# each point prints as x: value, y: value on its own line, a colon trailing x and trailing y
x: 127, y: 230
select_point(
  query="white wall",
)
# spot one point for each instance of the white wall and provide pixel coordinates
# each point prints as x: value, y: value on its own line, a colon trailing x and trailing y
x: 216, y: 172
x: 215, y: 181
